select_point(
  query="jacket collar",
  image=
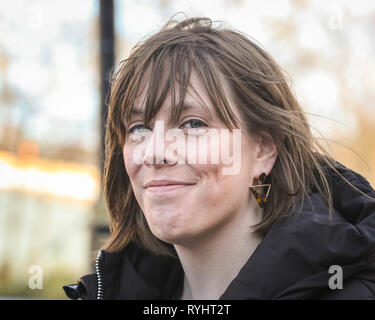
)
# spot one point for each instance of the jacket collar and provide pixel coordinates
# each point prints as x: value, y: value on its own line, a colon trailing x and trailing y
x: 292, y: 261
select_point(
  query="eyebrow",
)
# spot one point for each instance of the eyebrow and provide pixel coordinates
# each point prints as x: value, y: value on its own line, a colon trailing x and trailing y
x: 185, y: 106
x: 136, y: 111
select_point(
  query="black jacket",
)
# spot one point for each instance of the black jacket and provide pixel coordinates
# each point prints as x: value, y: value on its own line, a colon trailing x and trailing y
x: 292, y: 261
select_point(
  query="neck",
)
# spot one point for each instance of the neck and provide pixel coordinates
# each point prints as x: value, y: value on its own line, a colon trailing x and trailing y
x: 212, y: 263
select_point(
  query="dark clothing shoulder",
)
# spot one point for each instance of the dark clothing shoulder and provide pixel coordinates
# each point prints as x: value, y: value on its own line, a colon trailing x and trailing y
x: 297, y: 258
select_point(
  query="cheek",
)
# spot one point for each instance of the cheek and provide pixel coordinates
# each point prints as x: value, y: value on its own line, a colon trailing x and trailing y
x: 218, y: 194
x: 132, y: 169
x: 230, y: 151
x: 223, y: 161
x: 222, y: 194
x: 130, y: 165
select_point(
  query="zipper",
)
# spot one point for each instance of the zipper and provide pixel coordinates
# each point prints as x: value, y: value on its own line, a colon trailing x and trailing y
x: 99, y: 275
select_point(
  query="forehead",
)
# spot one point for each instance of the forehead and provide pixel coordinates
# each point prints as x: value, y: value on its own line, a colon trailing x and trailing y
x: 179, y: 87
x: 196, y: 95
x: 195, y: 90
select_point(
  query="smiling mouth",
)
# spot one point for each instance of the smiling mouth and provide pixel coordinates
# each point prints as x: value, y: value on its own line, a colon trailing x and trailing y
x: 167, y: 188
x: 162, y: 189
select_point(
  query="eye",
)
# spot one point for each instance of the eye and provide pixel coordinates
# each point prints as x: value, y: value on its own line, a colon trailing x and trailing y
x: 138, y: 127
x: 194, y: 124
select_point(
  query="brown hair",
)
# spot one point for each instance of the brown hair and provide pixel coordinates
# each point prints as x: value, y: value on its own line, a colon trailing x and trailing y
x: 261, y: 92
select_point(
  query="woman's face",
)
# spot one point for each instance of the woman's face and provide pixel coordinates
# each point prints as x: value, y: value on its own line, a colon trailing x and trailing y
x: 190, y: 196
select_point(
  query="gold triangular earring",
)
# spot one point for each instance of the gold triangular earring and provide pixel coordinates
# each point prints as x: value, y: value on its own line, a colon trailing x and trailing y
x: 261, y: 195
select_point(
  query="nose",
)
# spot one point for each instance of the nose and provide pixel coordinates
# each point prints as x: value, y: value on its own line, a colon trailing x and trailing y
x: 156, y: 165
x: 155, y: 152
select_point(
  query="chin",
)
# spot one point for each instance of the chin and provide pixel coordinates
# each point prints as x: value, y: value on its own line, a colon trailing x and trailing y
x: 174, y: 236
x: 172, y: 226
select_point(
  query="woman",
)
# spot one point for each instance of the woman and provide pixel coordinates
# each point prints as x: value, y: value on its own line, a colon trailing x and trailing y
x: 215, y: 186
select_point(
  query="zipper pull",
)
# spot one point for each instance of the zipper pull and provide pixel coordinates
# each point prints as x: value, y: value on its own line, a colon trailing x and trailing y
x: 99, y: 275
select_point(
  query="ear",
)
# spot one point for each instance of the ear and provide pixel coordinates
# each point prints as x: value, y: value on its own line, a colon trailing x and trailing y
x: 266, y: 153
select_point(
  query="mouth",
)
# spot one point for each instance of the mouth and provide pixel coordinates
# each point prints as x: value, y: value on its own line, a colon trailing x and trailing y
x: 163, y: 186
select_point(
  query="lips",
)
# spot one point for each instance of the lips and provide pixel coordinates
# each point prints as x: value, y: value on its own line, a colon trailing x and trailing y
x: 163, y: 183
x: 159, y: 186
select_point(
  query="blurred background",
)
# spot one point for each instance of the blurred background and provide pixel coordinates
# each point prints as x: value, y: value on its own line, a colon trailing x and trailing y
x: 55, y: 60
